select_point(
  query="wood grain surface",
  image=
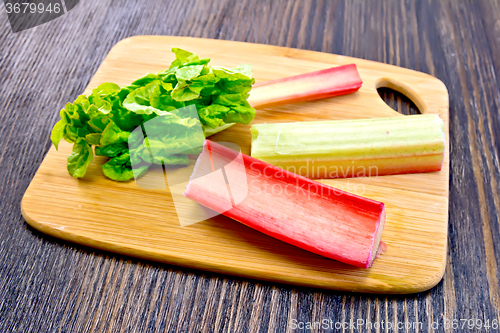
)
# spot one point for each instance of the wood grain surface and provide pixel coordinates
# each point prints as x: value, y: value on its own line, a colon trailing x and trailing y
x: 130, y: 219
x: 47, y: 285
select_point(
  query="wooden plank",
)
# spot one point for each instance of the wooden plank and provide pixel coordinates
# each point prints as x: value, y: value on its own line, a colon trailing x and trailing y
x: 124, y: 218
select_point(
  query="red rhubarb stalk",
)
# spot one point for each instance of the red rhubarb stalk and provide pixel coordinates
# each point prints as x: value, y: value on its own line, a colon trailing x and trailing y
x: 286, y: 206
x: 325, y: 83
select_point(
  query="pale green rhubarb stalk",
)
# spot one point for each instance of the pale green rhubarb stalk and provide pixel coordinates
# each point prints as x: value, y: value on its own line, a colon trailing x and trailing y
x: 353, y: 148
x: 291, y: 208
x: 330, y: 82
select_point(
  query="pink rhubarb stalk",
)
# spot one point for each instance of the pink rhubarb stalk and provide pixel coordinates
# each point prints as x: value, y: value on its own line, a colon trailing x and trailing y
x: 286, y: 206
x: 325, y: 83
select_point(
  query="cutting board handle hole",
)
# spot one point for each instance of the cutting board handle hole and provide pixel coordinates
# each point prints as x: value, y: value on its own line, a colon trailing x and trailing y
x: 400, y: 97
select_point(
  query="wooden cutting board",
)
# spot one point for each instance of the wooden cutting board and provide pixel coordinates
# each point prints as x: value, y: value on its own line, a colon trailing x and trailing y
x: 131, y: 220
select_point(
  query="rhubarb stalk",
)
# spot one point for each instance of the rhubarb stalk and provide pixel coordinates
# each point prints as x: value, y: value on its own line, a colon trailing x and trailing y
x: 353, y: 148
x: 325, y: 83
x: 291, y: 208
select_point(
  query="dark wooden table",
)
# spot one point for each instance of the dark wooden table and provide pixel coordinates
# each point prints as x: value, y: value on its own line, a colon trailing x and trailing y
x: 47, y: 285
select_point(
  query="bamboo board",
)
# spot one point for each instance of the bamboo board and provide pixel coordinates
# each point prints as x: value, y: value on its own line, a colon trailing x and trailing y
x: 131, y: 220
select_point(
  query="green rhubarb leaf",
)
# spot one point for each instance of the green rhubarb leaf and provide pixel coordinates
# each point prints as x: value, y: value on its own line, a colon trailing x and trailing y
x: 123, y: 123
x: 242, y: 72
x: 106, y: 89
x: 112, y: 150
x: 80, y: 159
x: 113, y: 134
x: 58, y: 132
x: 188, y: 72
x: 182, y: 93
x: 119, y: 168
x: 139, y: 101
x: 93, y: 139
